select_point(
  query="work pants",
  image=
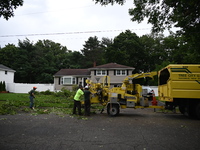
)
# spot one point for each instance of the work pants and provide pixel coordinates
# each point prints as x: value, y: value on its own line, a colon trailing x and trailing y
x: 77, y: 104
x: 31, y: 101
x: 87, y: 108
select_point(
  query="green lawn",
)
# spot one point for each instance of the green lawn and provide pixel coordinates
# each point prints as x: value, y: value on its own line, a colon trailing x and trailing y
x: 12, y: 103
x: 47, y: 102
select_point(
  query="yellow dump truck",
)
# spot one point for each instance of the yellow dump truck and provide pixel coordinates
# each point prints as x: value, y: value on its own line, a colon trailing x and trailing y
x: 179, y: 86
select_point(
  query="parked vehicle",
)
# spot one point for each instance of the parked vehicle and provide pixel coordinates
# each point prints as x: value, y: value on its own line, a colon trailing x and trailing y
x: 148, y: 92
x: 179, y: 86
x: 128, y: 95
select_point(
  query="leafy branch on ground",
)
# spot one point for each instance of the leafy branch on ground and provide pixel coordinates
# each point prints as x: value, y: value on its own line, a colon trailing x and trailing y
x: 46, y: 102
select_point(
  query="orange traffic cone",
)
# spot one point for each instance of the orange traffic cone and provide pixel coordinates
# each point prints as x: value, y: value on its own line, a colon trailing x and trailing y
x: 154, y: 101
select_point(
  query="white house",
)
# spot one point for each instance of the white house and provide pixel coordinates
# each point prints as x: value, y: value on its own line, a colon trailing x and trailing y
x: 6, y: 74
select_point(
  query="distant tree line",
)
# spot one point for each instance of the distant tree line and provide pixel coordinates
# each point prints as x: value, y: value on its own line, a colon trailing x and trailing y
x: 37, y: 63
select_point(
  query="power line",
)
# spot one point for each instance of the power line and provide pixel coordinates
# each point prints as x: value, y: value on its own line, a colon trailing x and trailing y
x: 62, y: 33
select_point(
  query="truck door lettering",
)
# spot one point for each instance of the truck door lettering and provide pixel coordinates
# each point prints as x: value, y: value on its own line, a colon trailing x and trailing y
x: 191, y: 75
x: 182, y: 75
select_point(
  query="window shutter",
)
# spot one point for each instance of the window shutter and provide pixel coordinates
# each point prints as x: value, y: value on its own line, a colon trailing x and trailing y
x: 127, y: 72
x: 58, y: 81
x: 76, y: 80
x: 95, y: 72
x: 114, y: 72
x: 107, y: 72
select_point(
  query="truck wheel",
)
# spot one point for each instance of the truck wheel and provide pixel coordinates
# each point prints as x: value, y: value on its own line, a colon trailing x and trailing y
x: 190, y: 109
x: 182, y: 109
x: 113, y: 109
x: 198, y: 111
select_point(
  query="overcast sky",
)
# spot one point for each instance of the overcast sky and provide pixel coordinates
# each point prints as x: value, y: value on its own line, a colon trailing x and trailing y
x: 68, y: 22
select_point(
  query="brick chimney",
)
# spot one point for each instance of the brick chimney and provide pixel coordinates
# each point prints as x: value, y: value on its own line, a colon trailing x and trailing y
x: 94, y: 64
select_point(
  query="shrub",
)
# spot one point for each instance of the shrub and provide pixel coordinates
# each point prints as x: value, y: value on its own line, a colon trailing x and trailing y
x: 66, y: 92
x: 1, y: 86
x: 74, y: 87
x: 47, y: 92
x: 8, y: 108
x: 4, y: 86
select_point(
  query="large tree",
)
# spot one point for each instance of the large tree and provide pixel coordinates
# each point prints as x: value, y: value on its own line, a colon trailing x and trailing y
x: 7, y: 7
x: 74, y: 60
x: 17, y: 59
x: 154, y: 52
x: 92, y: 52
x: 164, y: 14
x: 35, y: 63
x: 49, y: 57
x: 126, y: 50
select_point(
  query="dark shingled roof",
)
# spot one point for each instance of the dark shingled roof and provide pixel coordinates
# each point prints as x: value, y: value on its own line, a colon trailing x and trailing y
x: 111, y: 66
x: 73, y: 72
x: 4, y: 68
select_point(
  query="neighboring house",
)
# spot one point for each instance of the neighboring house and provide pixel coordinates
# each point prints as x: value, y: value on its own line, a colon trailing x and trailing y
x: 69, y: 77
x: 115, y: 71
x: 6, y: 74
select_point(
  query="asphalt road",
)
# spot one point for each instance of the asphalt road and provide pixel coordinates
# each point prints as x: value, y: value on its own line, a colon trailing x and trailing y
x: 133, y: 129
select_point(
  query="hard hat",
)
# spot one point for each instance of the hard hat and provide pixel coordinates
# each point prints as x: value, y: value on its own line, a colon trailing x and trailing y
x: 35, y: 87
x: 86, y: 87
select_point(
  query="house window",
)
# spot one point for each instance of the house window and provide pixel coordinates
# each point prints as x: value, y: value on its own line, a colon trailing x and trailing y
x: 6, y: 72
x: 101, y: 72
x: 121, y: 72
x: 68, y: 80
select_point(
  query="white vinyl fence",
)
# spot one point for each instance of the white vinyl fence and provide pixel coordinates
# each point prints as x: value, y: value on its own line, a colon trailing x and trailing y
x: 26, y: 87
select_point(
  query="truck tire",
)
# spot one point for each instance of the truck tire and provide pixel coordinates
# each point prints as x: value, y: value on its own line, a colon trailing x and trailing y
x: 190, y: 110
x: 182, y: 109
x: 113, y: 109
x: 198, y: 110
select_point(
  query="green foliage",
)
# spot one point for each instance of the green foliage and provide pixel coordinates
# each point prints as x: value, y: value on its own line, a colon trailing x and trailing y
x: 7, y: 7
x: 165, y: 14
x: 47, y: 92
x: 74, y: 60
x: 45, y: 102
x: 4, y: 86
x: 127, y: 50
x: 8, y: 108
x: 64, y: 93
x: 92, y: 52
x: 1, y: 86
x: 37, y: 63
x: 74, y: 88
x: 106, y: 2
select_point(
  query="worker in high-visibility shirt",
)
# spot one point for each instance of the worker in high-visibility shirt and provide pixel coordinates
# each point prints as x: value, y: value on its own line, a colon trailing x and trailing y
x: 77, y: 100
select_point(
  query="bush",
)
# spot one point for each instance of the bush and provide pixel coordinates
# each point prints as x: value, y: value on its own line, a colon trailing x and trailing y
x: 74, y: 87
x: 8, y: 108
x: 4, y: 86
x: 66, y: 92
x: 47, y: 92
x: 63, y: 93
x: 1, y: 86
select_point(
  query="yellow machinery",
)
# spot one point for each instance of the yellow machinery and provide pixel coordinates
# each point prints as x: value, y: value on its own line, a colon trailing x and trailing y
x: 179, y: 86
x: 128, y: 95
